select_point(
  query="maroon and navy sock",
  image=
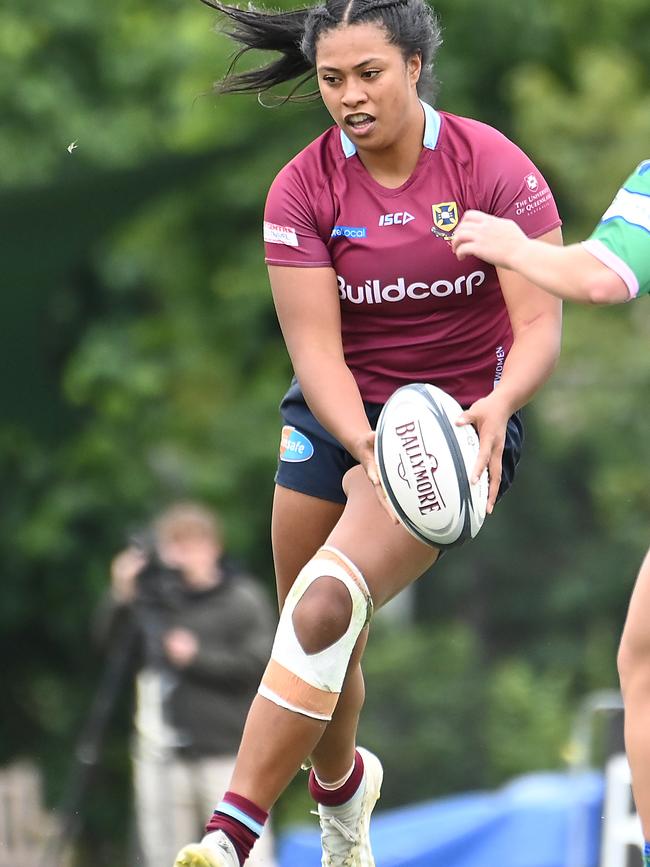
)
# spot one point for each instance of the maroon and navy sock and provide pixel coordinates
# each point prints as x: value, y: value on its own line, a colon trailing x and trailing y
x: 241, y: 819
x: 341, y: 794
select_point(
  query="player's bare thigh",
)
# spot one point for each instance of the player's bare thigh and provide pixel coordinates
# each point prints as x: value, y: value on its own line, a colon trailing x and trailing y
x: 387, y: 555
x: 300, y: 524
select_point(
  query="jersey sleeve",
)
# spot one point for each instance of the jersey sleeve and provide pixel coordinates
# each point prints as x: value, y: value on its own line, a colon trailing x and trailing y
x: 509, y: 185
x: 621, y: 240
x: 291, y: 233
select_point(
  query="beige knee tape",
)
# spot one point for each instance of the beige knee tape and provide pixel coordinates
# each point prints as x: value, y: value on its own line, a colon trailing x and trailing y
x: 311, y: 683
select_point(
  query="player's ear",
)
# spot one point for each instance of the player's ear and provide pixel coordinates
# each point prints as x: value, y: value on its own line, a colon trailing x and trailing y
x: 414, y: 67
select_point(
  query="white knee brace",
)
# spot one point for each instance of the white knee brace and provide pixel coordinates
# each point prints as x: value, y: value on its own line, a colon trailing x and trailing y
x: 311, y: 683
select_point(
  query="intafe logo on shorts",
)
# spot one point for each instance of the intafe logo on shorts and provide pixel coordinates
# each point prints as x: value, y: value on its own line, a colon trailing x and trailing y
x: 294, y: 446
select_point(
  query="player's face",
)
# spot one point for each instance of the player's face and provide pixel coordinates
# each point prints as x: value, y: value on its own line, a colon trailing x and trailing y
x: 366, y: 85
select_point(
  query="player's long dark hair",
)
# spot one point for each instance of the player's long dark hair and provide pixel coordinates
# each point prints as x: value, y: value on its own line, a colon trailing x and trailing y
x: 410, y: 24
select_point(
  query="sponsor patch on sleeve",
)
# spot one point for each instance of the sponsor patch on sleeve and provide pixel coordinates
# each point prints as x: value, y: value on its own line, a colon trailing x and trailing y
x: 294, y: 446
x: 274, y: 234
x: 534, y: 197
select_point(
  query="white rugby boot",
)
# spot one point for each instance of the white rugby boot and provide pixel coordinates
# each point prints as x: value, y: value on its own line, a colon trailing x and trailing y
x: 345, y: 830
x: 214, y: 850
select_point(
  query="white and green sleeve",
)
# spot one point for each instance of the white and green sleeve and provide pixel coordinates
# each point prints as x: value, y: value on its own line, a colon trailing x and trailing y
x: 621, y: 240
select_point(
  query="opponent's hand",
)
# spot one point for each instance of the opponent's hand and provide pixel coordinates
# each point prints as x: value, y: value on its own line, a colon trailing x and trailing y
x: 490, y: 238
x: 490, y: 418
x: 365, y: 453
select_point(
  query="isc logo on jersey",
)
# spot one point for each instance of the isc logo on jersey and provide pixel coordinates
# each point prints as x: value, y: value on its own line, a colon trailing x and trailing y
x: 399, y: 218
x: 372, y: 291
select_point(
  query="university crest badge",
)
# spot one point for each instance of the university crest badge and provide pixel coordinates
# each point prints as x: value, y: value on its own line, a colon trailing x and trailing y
x: 445, y: 217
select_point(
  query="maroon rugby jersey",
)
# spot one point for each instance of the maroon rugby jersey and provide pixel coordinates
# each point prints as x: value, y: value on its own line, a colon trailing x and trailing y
x: 411, y: 312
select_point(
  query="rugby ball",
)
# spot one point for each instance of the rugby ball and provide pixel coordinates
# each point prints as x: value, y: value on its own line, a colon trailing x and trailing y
x: 425, y: 463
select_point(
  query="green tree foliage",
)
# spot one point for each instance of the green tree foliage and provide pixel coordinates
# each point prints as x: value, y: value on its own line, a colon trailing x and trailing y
x: 142, y: 362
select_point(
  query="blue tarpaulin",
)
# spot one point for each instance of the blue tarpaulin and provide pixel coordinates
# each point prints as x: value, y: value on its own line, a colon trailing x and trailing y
x: 539, y: 820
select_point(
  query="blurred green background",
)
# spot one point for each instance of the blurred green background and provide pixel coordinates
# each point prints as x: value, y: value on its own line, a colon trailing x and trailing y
x: 142, y: 362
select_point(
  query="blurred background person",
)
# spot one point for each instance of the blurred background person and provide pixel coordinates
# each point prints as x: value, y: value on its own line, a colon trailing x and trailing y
x: 205, y: 630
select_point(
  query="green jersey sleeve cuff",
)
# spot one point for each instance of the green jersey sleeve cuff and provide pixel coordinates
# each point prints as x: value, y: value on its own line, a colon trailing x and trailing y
x: 612, y: 261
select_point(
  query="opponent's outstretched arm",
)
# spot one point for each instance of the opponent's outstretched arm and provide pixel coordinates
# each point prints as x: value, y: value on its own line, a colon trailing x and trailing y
x: 569, y: 272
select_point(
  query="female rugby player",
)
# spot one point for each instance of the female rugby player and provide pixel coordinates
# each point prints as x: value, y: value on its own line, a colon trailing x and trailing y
x: 369, y: 296
x: 611, y: 266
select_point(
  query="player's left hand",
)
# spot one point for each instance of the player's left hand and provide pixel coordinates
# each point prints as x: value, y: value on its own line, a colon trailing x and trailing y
x: 489, y: 415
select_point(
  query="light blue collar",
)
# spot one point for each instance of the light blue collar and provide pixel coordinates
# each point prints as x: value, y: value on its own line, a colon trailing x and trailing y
x: 431, y: 131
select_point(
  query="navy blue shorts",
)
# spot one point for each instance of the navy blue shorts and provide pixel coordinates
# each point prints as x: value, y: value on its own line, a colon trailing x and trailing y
x: 313, y: 462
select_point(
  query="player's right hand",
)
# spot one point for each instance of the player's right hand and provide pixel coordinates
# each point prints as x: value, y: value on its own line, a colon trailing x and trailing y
x: 365, y: 454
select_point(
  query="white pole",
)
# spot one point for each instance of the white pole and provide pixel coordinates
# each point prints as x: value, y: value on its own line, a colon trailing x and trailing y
x: 621, y: 825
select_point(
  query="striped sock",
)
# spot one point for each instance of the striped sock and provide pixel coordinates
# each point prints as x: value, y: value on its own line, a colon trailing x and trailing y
x: 241, y: 819
x: 335, y: 797
x: 646, y: 855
